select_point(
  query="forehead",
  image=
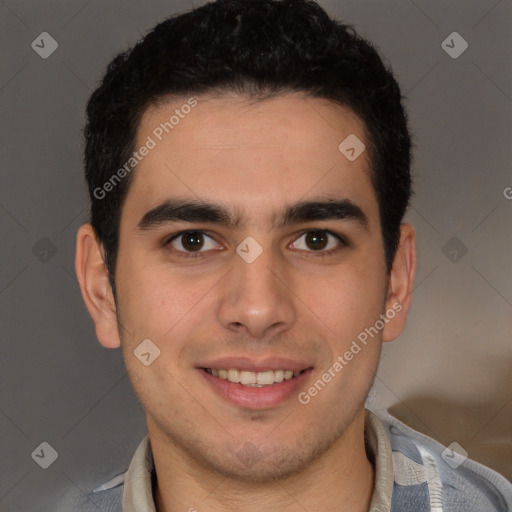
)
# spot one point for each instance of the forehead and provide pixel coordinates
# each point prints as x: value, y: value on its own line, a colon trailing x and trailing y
x: 249, y: 153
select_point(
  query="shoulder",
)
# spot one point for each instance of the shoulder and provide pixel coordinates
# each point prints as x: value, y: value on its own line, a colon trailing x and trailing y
x: 452, y: 482
x: 82, y: 500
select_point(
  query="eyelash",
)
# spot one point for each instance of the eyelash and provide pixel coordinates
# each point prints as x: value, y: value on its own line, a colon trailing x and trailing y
x: 183, y: 254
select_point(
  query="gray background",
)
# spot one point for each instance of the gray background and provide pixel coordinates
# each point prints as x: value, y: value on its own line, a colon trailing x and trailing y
x: 449, y: 375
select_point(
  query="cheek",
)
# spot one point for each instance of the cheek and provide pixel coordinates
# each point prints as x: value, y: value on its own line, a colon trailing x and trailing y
x: 160, y: 304
x: 347, y: 300
x: 153, y: 309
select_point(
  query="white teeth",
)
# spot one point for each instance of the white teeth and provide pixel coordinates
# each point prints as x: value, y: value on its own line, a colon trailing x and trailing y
x: 247, y: 378
x: 254, y: 379
x: 233, y: 375
x: 265, y: 377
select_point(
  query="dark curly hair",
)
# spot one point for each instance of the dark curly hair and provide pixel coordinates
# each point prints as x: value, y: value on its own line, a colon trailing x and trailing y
x: 260, y: 49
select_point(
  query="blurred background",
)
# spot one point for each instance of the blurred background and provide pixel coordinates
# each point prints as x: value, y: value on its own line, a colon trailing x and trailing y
x: 448, y: 376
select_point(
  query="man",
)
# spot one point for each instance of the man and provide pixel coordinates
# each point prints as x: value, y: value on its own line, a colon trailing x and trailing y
x: 248, y: 164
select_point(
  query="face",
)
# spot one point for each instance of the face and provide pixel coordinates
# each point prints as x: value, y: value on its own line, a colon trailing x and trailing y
x: 227, y: 263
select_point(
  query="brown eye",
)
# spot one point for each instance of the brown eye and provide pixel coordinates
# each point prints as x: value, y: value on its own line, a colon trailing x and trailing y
x: 320, y: 240
x: 190, y: 242
x: 316, y: 240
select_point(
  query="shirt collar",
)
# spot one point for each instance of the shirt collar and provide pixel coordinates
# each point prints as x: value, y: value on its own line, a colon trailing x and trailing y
x: 378, y: 450
x: 138, y: 481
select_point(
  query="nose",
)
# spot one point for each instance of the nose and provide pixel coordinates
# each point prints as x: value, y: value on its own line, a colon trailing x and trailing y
x: 257, y: 298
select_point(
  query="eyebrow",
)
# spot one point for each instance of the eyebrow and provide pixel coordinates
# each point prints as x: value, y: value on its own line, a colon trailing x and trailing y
x: 185, y: 210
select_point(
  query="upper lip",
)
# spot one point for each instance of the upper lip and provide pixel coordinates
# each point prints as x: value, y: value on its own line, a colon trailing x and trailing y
x: 255, y: 365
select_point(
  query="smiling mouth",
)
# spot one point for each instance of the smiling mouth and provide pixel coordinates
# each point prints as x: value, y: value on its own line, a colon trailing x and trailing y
x: 254, y: 379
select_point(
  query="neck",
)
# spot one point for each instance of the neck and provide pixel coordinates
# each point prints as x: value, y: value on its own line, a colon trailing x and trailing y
x: 341, y: 480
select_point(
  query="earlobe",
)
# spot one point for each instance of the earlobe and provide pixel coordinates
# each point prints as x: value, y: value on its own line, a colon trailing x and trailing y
x: 400, y: 284
x: 94, y: 284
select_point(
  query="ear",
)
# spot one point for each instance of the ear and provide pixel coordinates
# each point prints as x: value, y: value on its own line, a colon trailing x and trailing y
x: 96, y: 291
x: 401, y: 280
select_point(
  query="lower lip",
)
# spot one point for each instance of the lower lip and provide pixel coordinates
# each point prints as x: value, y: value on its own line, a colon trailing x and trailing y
x: 253, y: 397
